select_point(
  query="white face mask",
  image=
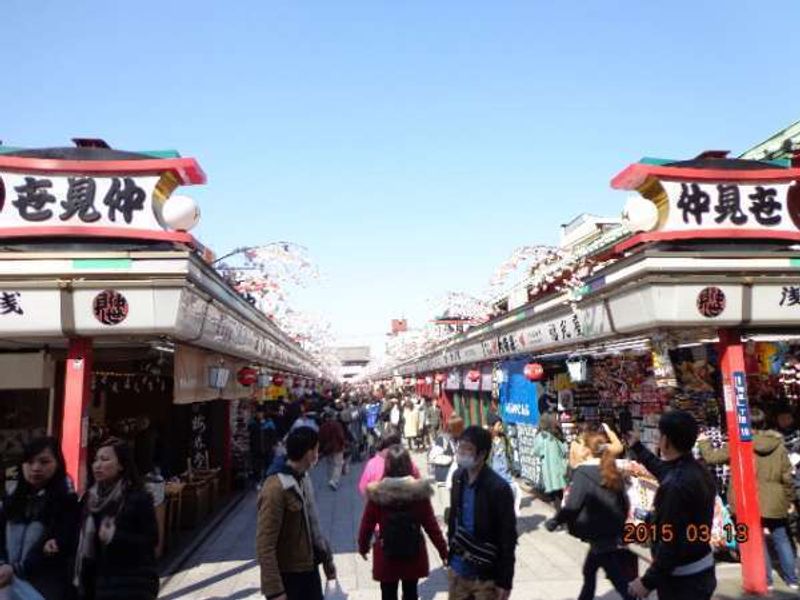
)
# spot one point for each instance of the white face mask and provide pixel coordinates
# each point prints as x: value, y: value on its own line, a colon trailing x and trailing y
x: 466, y: 461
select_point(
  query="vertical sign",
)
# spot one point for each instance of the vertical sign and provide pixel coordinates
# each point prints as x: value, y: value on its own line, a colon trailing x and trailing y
x: 742, y: 408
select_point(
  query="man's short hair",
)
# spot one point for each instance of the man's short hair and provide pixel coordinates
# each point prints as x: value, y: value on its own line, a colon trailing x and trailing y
x: 680, y: 428
x: 300, y: 441
x: 758, y: 418
x: 478, y: 437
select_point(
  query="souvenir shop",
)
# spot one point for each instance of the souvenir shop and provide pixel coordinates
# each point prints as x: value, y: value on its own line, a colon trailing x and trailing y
x: 689, y: 311
x: 113, y: 321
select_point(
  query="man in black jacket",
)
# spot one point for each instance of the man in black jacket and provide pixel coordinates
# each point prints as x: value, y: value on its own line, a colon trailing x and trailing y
x: 681, y: 569
x: 482, y: 527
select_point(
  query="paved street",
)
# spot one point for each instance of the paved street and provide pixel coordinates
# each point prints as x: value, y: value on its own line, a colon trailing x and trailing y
x: 548, y: 565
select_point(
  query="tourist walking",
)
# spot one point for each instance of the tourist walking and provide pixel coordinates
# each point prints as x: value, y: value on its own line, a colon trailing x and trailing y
x: 289, y: 541
x: 332, y: 446
x: 596, y: 511
x: 118, y: 532
x: 502, y: 459
x: 395, y: 416
x: 551, y: 449
x: 482, y: 528
x: 410, y: 424
x: 39, y: 525
x: 376, y: 466
x: 433, y: 420
x: 682, y: 568
x: 775, y: 491
x: 400, y: 506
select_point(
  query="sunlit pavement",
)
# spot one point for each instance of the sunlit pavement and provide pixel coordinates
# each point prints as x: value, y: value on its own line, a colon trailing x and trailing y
x: 548, y: 564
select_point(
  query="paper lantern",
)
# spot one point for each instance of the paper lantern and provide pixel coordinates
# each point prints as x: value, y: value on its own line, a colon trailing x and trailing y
x: 247, y: 376
x: 578, y: 369
x: 180, y: 213
x: 533, y: 371
x: 218, y: 377
x: 640, y: 214
x: 474, y: 375
x: 277, y: 379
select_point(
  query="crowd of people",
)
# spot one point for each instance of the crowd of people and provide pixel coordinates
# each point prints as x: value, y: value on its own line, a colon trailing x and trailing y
x: 476, y: 465
x: 54, y: 546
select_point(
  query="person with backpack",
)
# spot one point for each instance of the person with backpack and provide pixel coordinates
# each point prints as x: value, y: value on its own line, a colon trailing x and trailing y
x: 400, y: 506
x: 375, y: 468
x: 595, y: 511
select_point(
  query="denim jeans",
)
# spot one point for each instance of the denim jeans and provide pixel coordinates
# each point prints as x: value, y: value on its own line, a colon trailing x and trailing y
x: 779, y: 532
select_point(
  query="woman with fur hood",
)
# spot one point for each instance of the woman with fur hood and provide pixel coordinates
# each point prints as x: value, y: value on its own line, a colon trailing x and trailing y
x: 401, y: 506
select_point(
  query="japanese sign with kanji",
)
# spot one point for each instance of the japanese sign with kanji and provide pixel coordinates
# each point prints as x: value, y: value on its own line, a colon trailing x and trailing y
x: 729, y: 205
x: 29, y: 200
x: 742, y: 407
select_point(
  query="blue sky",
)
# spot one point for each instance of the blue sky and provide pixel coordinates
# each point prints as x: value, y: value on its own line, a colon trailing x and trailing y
x: 411, y: 145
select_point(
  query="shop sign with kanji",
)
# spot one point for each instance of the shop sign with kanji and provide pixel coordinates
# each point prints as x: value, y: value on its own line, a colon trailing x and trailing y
x: 28, y: 200
x: 729, y: 205
x: 742, y: 407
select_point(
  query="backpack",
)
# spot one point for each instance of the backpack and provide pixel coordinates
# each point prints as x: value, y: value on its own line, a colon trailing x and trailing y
x: 400, y: 535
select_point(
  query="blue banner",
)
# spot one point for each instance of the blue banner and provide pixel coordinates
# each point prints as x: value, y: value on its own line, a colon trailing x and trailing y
x: 519, y: 400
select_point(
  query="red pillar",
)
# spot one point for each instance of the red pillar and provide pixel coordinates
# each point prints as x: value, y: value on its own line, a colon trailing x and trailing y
x: 75, y: 428
x: 737, y: 411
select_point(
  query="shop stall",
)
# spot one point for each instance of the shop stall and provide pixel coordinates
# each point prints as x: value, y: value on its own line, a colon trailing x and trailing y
x: 661, y: 318
x: 113, y: 321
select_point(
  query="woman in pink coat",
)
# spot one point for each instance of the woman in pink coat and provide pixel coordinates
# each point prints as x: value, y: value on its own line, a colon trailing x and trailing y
x: 375, y: 467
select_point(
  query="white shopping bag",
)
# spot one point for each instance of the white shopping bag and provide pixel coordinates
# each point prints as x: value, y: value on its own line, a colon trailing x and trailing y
x: 334, y: 591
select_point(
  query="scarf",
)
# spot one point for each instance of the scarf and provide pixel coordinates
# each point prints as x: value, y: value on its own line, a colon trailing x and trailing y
x: 98, y: 501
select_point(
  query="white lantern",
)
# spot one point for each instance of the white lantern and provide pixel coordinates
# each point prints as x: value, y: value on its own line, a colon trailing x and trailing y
x: 640, y: 214
x: 578, y: 369
x: 218, y: 377
x: 180, y: 213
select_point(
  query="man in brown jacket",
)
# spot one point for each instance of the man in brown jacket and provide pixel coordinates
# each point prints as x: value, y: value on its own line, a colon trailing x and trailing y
x: 775, y: 489
x: 289, y: 541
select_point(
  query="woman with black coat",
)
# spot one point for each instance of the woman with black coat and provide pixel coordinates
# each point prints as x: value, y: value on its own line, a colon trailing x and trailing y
x: 116, y: 551
x: 39, y: 524
x: 595, y: 511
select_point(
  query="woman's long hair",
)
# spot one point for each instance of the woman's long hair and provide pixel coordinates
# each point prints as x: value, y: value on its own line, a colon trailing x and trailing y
x: 125, y: 457
x: 551, y: 425
x: 610, y: 475
x: 57, y: 488
x: 398, y: 462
